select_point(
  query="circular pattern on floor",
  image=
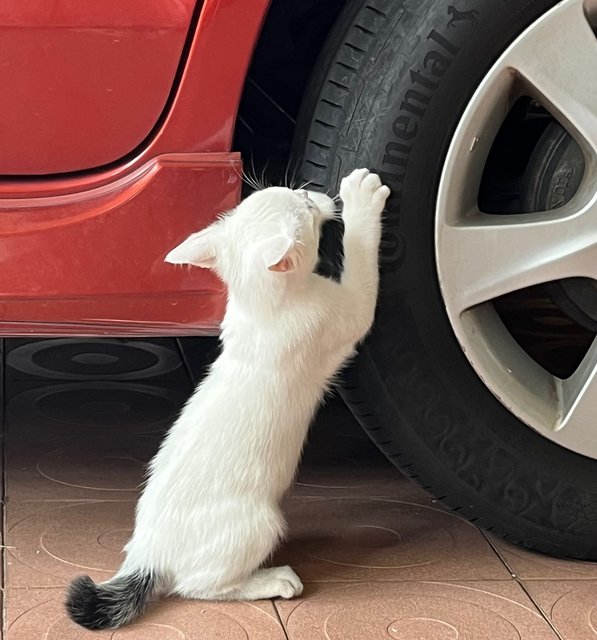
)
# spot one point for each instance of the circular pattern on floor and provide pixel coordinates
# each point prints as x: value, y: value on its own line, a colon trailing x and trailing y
x: 364, y: 534
x: 337, y: 471
x: 408, y: 610
x: 423, y: 617
x: 62, y: 541
x: 68, y: 359
x: 105, y: 468
x: 362, y: 538
x: 98, y: 405
x: 571, y: 605
x: 165, y: 620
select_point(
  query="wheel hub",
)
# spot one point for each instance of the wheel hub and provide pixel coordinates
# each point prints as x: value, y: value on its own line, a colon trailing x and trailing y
x: 553, y: 176
x: 482, y: 257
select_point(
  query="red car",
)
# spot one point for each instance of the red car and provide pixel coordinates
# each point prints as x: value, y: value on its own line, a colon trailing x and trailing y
x: 123, y: 129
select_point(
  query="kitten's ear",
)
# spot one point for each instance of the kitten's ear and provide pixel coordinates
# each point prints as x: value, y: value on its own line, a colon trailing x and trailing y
x: 277, y: 254
x: 198, y: 249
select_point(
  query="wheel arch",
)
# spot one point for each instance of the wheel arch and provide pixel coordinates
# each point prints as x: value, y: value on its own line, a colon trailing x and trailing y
x: 282, y: 65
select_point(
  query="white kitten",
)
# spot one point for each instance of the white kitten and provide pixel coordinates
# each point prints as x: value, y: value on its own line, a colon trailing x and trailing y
x: 209, y: 516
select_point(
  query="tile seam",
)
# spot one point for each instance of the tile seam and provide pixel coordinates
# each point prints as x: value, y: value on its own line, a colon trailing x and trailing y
x: 517, y: 579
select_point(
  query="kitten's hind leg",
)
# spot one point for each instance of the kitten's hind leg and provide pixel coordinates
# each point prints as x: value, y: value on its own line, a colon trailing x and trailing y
x: 276, y: 582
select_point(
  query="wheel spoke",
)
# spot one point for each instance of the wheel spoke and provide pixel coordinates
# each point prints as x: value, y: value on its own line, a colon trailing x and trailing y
x: 557, y: 59
x: 578, y: 399
x: 490, y: 256
x: 481, y: 257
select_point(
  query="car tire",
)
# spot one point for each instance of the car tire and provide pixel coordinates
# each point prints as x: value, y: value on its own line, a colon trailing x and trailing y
x: 390, y: 88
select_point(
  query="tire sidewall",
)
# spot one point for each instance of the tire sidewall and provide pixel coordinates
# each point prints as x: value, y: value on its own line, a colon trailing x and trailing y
x: 412, y: 365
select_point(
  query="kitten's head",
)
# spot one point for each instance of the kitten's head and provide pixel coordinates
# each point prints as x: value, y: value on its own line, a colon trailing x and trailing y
x: 272, y: 233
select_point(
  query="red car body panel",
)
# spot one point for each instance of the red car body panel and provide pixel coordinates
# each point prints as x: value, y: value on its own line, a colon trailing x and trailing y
x: 82, y: 254
x: 83, y: 83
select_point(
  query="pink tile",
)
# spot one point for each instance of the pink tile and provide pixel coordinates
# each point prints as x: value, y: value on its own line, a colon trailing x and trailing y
x: 531, y: 565
x: 38, y: 614
x: 571, y: 605
x: 52, y: 542
x: 86, y: 468
x: 382, y: 539
x: 414, y: 611
x: 333, y: 476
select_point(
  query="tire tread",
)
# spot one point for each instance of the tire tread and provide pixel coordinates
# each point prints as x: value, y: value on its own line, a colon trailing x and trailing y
x: 321, y: 130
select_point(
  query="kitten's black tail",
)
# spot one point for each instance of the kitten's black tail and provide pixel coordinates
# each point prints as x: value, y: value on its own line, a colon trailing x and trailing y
x: 110, y: 604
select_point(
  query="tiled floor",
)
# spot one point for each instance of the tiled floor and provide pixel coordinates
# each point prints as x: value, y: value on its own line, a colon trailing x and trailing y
x: 379, y: 558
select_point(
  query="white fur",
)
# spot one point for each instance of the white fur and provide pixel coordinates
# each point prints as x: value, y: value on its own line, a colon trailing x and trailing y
x: 209, y: 516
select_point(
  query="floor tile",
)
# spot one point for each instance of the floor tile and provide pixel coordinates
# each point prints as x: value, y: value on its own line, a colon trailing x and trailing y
x: 340, y: 459
x: 379, y: 557
x: 530, y: 565
x: 50, y: 543
x: 93, y: 467
x: 571, y: 605
x: 346, y: 477
x: 414, y: 611
x: 37, y: 614
x: 383, y: 539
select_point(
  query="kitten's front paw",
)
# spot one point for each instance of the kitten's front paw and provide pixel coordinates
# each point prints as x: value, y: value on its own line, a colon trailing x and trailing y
x: 361, y: 191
